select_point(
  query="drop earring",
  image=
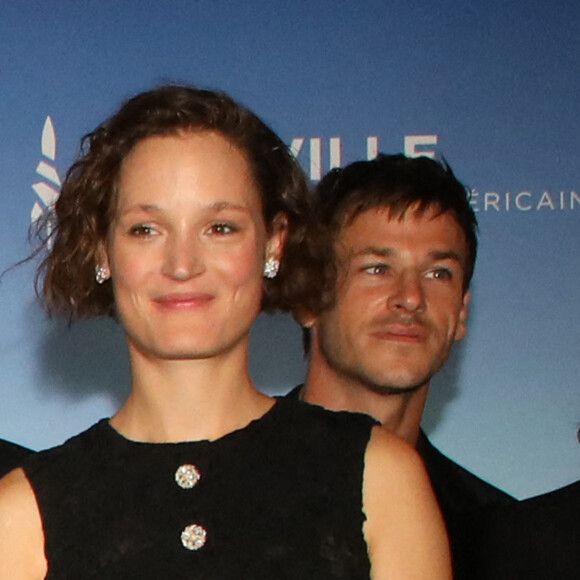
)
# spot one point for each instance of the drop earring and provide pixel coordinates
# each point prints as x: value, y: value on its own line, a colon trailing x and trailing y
x: 271, y: 268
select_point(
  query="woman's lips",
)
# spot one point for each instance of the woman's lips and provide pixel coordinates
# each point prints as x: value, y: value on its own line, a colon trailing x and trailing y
x: 184, y: 300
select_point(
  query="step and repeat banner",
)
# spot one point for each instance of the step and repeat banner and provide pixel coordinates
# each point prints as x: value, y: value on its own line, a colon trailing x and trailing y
x: 492, y: 86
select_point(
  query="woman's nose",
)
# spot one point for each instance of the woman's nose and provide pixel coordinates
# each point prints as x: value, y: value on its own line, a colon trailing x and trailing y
x: 183, y: 258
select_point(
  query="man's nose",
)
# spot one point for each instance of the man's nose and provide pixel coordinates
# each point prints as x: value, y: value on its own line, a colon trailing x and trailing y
x: 407, y: 293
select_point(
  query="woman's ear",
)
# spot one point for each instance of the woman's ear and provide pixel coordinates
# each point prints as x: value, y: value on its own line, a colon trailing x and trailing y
x: 278, y: 236
x: 102, y: 267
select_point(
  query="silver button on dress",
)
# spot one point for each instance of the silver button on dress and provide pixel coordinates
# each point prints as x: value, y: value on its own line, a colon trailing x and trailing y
x: 187, y: 476
x: 193, y: 537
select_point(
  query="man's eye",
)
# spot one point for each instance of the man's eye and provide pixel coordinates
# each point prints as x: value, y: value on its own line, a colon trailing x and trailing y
x: 377, y: 269
x: 440, y: 274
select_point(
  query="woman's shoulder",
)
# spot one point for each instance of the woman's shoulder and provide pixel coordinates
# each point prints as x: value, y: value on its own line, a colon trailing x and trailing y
x: 390, y: 456
x: 15, y: 491
x: 404, y: 528
x: 80, y: 454
x: 11, y: 456
x: 76, y: 443
x: 327, y: 443
x: 308, y: 424
x: 312, y: 414
x: 21, y: 537
x: 16, y: 488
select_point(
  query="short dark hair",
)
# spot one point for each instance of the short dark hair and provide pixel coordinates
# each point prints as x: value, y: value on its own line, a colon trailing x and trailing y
x: 398, y: 183
x: 87, y: 201
x: 394, y: 182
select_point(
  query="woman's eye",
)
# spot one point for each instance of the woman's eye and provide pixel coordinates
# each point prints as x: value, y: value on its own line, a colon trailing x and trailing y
x: 142, y: 230
x: 223, y: 229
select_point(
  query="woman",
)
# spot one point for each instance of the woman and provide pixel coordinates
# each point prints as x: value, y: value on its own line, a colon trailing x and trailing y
x: 174, y: 220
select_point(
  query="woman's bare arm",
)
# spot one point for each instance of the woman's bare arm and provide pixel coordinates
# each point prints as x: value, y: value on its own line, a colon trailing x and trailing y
x: 405, y: 532
x: 21, y: 534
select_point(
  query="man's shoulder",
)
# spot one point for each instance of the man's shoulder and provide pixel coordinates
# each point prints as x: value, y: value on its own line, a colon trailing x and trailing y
x: 535, y: 539
x: 567, y: 496
x: 11, y: 456
x: 455, y: 485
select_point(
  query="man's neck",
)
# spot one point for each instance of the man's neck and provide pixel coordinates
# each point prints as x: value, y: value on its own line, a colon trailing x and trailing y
x: 399, y: 413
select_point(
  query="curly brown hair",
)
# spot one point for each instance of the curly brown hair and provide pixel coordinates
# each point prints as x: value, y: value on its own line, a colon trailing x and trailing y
x: 86, y: 205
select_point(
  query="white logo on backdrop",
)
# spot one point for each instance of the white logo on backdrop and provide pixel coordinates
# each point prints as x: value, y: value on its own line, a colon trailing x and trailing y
x: 494, y: 201
x: 319, y: 155
x: 315, y: 152
x: 414, y: 146
x: 47, y: 189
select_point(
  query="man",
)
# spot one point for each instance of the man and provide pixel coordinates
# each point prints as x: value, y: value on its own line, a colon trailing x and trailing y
x: 402, y: 238
x: 11, y: 456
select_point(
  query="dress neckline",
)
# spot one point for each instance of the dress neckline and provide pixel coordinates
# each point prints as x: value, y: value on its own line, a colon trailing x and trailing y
x: 115, y: 436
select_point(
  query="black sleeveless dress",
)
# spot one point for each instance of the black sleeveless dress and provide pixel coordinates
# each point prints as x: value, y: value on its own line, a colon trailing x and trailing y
x: 280, y: 499
x: 11, y: 456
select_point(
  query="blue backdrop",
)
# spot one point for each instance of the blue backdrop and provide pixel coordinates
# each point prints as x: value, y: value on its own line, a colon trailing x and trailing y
x: 493, y: 86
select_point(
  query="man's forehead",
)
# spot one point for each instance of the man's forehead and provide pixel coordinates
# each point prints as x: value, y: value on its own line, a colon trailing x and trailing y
x: 380, y: 229
x: 382, y: 216
x: 395, y: 212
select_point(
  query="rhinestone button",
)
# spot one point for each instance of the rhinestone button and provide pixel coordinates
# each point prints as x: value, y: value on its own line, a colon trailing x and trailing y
x: 193, y: 537
x: 187, y: 476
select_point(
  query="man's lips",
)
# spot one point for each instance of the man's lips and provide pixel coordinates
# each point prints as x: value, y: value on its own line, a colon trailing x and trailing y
x: 413, y: 333
x: 184, y: 300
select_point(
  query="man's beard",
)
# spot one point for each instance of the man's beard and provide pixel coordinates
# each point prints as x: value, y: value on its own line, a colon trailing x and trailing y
x: 357, y: 374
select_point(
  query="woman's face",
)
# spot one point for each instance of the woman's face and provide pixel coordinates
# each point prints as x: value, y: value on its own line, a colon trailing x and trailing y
x: 187, y: 247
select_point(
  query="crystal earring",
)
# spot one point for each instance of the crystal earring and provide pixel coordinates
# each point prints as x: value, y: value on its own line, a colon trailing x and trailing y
x: 101, y: 274
x: 271, y: 268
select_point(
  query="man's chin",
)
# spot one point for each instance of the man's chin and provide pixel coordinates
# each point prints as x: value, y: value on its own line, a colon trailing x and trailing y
x: 383, y: 388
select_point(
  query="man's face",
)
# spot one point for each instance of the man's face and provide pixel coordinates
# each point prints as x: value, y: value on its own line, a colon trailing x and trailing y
x: 400, y: 302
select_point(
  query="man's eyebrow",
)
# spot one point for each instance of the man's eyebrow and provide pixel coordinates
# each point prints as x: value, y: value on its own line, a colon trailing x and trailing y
x: 446, y: 255
x: 373, y: 251
x: 387, y: 252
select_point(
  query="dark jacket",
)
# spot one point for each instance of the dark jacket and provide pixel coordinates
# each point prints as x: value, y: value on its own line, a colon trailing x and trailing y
x: 536, y: 539
x: 466, y: 502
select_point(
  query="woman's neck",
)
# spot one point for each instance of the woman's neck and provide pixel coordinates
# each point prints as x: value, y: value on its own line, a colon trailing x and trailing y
x: 188, y: 400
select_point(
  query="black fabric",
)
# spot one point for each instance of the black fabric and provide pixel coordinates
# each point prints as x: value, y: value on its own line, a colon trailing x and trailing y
x: 280, y: 499
x: 466, y: 502
x: 11, y: 456
x: 536, y: 539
